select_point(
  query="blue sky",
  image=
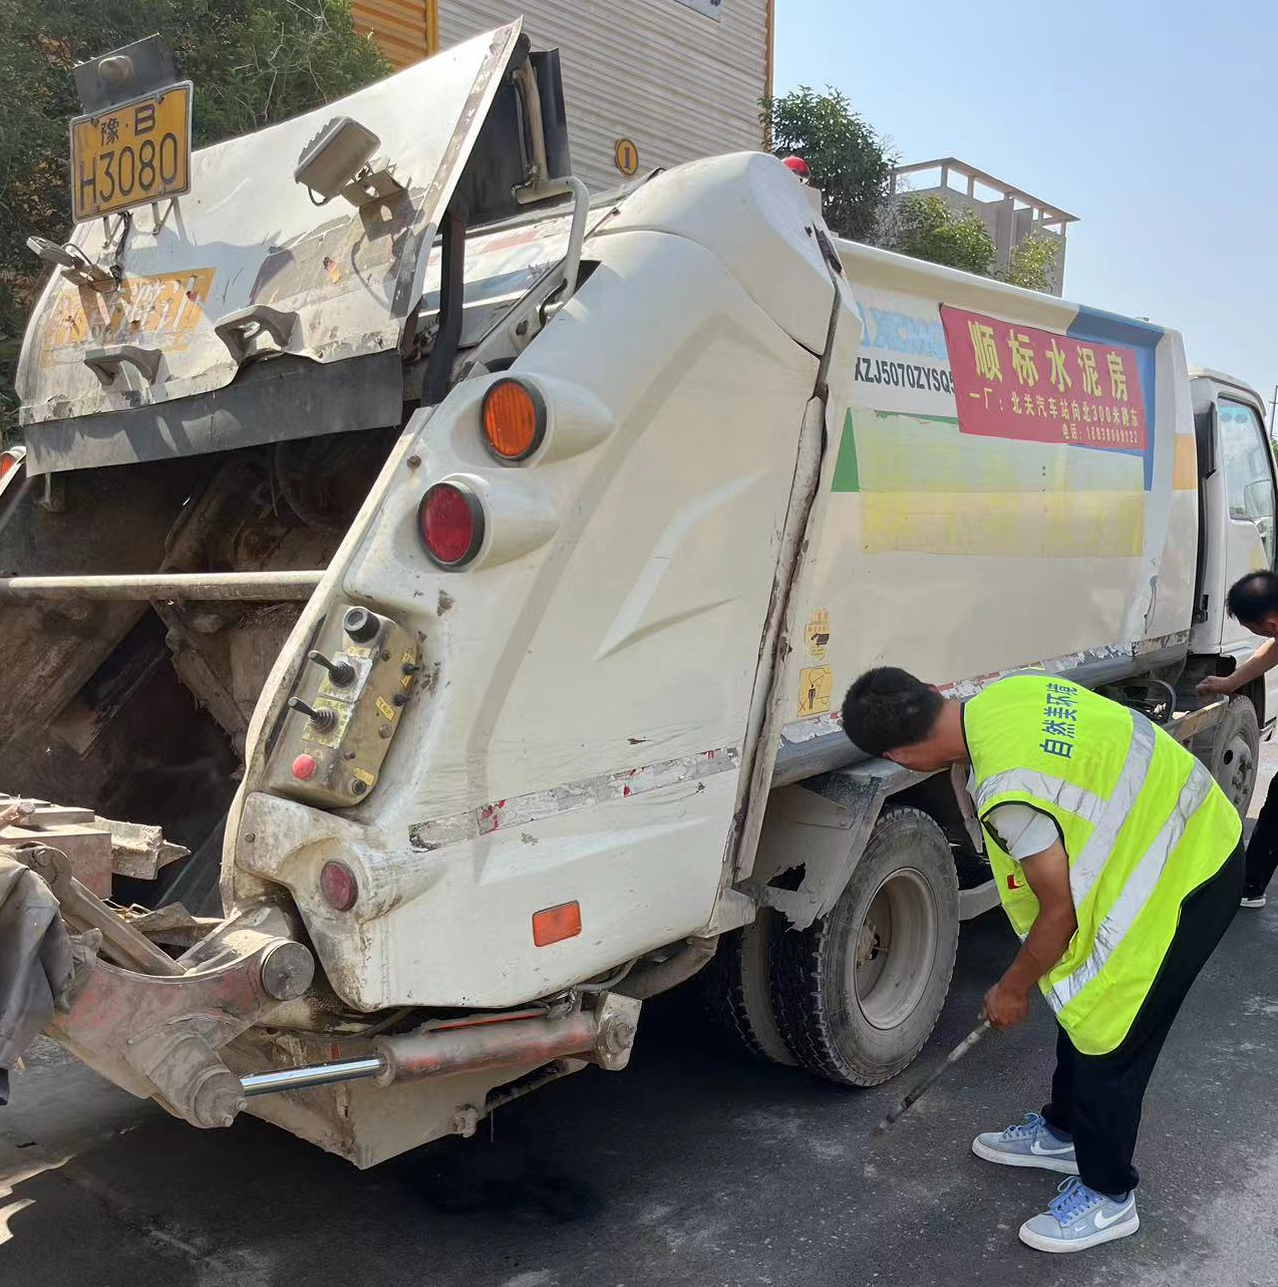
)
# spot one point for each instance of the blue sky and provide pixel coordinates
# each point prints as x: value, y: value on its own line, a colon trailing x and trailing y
x: 1155, y: 123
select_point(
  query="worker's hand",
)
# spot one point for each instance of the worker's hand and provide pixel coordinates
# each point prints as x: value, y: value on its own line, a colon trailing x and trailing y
x: 1005, y: 1007
x: 1215, y: 685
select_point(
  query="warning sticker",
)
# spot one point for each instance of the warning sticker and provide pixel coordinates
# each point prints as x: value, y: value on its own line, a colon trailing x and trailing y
x: 816, y: 634
x: 816, y: 686
x: 364, y: 776
x: 385, y: 709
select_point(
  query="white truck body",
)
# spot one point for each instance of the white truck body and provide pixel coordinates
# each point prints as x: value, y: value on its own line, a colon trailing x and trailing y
x: 763, y: 469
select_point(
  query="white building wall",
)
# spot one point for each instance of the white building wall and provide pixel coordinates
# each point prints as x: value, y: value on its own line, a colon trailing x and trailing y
x: 665, y: 74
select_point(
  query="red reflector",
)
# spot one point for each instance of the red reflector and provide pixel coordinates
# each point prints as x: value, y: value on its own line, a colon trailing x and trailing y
x: 7, y: 462
x: 338, y: 885
x: 452, y: 524
x: 553, y: 924
x: 304, y: 767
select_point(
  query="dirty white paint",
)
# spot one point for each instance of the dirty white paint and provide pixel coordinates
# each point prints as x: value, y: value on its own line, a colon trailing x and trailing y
x: 539, y: 805
x: 666, y: 470
x: 247, y: 234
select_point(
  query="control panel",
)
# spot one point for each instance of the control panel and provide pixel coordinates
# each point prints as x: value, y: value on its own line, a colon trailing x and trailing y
x: 345, y: 710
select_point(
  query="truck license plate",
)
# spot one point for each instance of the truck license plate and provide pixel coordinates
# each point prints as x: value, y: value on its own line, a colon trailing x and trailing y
x: 131, y: 154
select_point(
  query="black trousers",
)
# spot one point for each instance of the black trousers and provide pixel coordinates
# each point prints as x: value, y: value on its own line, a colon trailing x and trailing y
x: 1097, y: 1098
x: 1262, y: 848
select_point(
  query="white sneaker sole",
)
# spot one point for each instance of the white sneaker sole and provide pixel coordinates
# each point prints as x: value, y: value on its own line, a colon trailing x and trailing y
x: 1062, y: 1166
x: 1057, y: 1245
x: 1253, y: 902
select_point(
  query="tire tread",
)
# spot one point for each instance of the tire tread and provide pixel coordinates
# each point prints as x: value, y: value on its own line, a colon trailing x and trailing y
x: 798, y: 970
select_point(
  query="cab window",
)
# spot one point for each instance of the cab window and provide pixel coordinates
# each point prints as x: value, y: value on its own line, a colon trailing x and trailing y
x: 1248, y: 472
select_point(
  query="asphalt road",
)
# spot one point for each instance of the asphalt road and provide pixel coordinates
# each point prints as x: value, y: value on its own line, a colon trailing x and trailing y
x: 694, y: 1166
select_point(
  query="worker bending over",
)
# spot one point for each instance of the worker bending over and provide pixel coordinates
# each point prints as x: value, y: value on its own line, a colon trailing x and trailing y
x: 1118, y: 863
x: 1253, y: 602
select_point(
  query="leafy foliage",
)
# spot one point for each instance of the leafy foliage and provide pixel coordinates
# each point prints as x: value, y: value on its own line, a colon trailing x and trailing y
x: 927, y: 227
x: 846, y: 159
x: 1032, y: 262
x: 253, y: 62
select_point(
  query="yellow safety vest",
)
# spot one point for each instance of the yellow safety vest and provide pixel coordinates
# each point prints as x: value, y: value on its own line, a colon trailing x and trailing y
x: 1143, y: 822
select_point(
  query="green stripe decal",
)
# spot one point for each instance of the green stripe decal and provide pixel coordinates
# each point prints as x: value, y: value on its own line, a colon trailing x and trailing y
x: 847, y: 478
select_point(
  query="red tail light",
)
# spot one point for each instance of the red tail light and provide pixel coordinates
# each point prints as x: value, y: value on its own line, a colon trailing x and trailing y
x: 339, y: 886
x: 451, y: 521
x: 9, y: 462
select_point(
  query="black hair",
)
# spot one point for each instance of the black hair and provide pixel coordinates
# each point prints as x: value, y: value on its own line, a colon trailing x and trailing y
x: 1253, y: 597
x: 888, y: 708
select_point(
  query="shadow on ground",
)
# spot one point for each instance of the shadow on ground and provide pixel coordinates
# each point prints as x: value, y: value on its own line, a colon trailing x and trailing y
x: 694, y: 1166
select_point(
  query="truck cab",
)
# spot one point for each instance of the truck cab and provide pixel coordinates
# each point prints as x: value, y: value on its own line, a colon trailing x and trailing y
x: 1236, y: 508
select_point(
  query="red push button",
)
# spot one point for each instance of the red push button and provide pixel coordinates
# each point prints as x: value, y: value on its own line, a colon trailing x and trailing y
x: 304, y: 767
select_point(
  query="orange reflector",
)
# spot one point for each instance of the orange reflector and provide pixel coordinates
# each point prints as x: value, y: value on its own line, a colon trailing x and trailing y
x: 7, y: 461
x: 514, y: 420
x: 553, y: 924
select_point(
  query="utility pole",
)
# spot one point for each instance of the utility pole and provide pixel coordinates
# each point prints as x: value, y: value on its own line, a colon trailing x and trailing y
x: 1273, y: 410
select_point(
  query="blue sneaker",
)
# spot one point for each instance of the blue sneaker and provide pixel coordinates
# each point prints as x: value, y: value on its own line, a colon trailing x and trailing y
x: 1079, y: 1218
x: 1029, y: 1144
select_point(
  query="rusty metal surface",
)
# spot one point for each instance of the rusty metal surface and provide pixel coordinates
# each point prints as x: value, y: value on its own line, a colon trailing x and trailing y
x: 131, y: 848
x: 139, y: 851
x: 258, y: 587
x: 501, y: 1045
x: 74, y: 832
x: 159, y: 1036
x: 83, y: 909
x: 272, y: 401
x: 248, y: 235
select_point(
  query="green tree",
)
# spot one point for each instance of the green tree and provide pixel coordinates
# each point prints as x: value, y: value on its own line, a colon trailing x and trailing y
x: 846, y: 159
x: 1033, y: 262
x: 927, y: 227
x: 253, y: 62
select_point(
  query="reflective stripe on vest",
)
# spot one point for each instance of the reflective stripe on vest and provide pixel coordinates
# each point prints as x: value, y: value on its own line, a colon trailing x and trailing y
x: 1090, y: 863
x: 1139, y: 887
x: 1086, y: 804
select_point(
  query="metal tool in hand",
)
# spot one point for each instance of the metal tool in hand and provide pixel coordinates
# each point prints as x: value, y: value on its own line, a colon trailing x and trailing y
x: 933, y: 1077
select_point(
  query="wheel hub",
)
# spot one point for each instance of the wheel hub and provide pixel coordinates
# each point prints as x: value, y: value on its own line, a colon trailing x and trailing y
x: 892, y: 958
x: 1238, y: 771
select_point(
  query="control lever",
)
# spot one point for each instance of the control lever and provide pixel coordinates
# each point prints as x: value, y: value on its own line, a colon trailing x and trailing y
x: 324, y: 718
x: 340, y: 673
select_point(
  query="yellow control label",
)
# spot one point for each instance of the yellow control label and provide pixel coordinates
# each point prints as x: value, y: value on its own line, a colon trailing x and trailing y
x: 385, y: 709
x: 364, y: 776
x: 816, y: 686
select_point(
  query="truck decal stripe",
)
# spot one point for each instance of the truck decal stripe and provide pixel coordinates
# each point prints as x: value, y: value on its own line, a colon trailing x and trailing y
x: 925, y: 486
x: 1143, y: 338
x: 1185, y: 467
x: 571, y: 796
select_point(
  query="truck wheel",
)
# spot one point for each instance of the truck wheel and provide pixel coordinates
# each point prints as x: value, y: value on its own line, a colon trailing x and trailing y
x: 737, y: 993
x: 857, y: 994
x: 1231, y: 752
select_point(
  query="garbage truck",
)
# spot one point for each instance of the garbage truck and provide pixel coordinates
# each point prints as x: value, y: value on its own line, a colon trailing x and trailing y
x: 429, y: 587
